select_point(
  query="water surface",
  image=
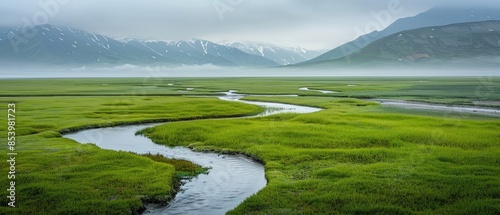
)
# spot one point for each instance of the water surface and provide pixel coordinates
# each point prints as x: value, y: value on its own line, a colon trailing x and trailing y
x: 437, y: 107
x: 231, y: 178
x: 321, y: 91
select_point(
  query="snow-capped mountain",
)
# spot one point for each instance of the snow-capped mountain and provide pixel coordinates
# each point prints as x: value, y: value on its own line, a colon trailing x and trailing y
x: 51, y: 45
x: 47, y: 44
x: 200, y: 52
x: 278, y: 54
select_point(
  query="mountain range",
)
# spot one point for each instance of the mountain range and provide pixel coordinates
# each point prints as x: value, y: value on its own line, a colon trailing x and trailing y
x: 278, y: 54
x: 461, y: 44
x: 48, y: 44
x: 52, y: 45
x: 438, y: 35
x: 433, y: 17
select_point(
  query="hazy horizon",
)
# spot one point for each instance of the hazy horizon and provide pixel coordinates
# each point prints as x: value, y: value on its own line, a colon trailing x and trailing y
x: 211, y: 71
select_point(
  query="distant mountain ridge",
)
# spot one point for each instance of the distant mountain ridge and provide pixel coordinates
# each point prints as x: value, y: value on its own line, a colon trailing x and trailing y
x: 279, y: 54
x: 464, y: 43
x: 52, y: 45
x: 56, y: 46
x: 432, y: 17
x: 199, y: 52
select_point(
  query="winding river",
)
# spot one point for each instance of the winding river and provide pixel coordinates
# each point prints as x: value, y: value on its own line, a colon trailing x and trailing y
x: 231, y: 178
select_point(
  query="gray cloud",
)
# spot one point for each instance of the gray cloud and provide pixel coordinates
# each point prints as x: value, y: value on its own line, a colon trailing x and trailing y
x: 312, y: 24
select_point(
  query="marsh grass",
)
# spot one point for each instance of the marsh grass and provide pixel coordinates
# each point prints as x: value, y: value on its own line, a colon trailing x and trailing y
x: 442, y: 90
x: 183, y: 168
x: 354, y: 158
x: 59, y: 176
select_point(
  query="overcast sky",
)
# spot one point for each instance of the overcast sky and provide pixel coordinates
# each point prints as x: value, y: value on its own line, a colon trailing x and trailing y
x: 313, y: 24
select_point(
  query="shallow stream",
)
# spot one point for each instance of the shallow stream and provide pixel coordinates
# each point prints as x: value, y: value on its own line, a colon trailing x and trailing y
x: 231, y: 178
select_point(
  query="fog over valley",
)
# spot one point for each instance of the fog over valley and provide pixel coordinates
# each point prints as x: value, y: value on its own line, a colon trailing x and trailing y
x: 215, y: 71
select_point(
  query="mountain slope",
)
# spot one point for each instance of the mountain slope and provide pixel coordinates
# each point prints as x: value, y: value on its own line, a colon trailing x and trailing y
x: 433, y: 17
x: 280, y: 55
x: 65, y: 46
x: 202, y: 52
x: 51, y: 45
x: 464, y: 43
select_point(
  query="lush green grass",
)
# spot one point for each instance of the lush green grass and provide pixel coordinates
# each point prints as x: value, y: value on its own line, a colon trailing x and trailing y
x: 438, y: 90
x: 59, y: 176
x: 46, y: 114
x: 371, y: 106
x: 355, y: 158
x: 183, y: 168
x: 466, y: 90
x: 101, y: 86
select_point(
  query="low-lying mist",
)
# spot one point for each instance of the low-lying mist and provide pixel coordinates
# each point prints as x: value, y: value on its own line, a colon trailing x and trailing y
x: 215, y: 71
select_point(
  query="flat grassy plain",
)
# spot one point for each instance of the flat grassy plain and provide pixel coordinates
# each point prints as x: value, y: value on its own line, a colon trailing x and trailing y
x: 446, y: 90
x: 59, y: 176
x: 354, y: 157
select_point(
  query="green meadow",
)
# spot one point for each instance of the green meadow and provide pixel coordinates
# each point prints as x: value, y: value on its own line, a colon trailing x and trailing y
x: 353, y: 157
x: 446, y: 90
x: 60, y: 176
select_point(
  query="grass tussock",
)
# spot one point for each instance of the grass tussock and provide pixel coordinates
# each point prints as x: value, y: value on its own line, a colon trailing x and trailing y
x: 183, y: 168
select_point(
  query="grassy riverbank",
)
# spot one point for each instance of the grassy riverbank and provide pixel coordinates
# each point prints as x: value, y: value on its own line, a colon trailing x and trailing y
x: 356, y: 158
x: 55, y: 175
